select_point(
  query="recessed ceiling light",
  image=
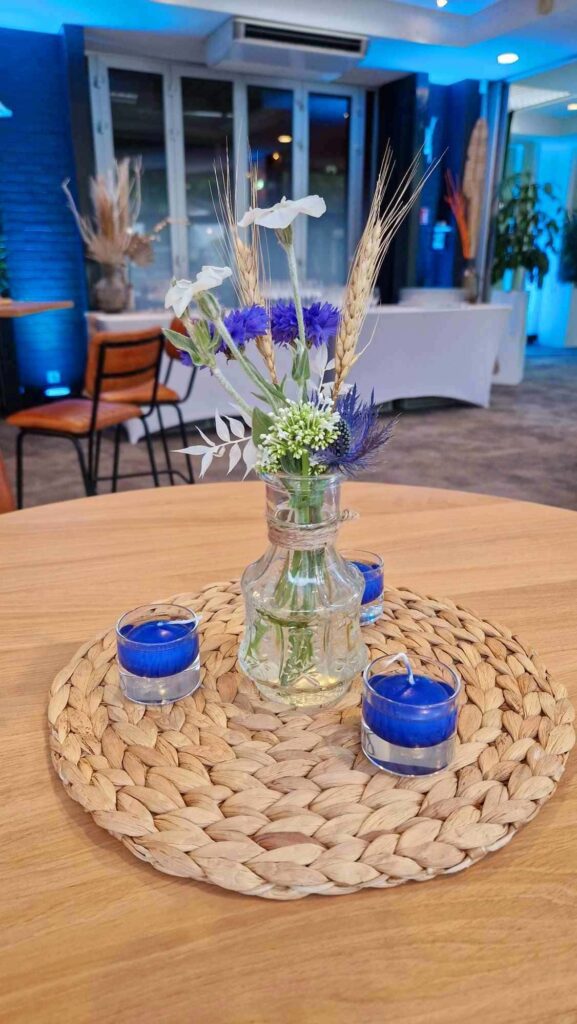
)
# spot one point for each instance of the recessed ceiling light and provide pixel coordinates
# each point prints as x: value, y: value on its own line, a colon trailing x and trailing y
x: 507, y: 58
x: 572, y: 106
x: 442, y: 3
x: 285, y: 138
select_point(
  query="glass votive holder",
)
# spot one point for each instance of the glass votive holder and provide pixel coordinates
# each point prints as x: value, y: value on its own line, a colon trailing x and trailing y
x: 409, y: 718
x: 158, y: 653
x: 372, y: 569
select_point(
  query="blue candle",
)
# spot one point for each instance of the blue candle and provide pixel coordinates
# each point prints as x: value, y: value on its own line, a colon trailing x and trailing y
x: 409, y: 719
x: 413, y: 714
x: 157, y: 648
x: 374, y: 580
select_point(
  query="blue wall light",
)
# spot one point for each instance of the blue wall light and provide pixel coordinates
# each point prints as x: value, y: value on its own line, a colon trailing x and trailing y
x: 4, y: 111
x: 44, y: 250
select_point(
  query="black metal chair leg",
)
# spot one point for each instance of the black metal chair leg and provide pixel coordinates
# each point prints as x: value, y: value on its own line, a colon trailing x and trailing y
x: 117, y: 434
x: 148, y: 438
x: 87, y: 479
x: 96, y: 466
x: 20, y: 469
x: 184, y: 437
x: 164, y: 440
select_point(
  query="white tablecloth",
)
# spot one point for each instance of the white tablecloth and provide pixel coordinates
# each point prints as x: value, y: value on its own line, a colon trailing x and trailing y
x: 413, y: 353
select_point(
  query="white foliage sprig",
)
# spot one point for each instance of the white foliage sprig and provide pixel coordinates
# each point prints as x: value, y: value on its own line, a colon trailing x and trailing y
x: 233, y: 438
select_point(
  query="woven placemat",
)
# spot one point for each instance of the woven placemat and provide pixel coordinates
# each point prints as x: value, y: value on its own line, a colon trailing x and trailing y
x: 225, y: 788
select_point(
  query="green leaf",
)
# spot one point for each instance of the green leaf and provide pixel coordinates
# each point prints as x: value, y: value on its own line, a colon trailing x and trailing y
x: 178, y: 340
x: 261, y: 424
x: 187, y: 345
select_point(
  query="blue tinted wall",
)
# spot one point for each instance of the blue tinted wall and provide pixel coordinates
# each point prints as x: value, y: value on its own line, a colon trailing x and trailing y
x: 45, y: 259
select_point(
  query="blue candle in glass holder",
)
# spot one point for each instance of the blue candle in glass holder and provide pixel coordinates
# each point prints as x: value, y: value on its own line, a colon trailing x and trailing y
x: 158, y: 653
x: 372, y: 569
x: 409, y: 718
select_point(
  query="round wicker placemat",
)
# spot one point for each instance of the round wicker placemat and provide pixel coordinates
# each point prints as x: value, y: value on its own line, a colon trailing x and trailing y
x: 225, y: 788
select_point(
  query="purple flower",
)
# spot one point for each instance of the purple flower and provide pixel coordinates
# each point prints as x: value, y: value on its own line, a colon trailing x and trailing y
x: 244, y: 325
x: 321, y: 323
x: 184, y: 358
x: 283, y: 323
x: 361, y: 435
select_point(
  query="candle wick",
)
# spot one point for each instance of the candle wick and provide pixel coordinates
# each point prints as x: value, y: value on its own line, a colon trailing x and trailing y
x: 408, y: 667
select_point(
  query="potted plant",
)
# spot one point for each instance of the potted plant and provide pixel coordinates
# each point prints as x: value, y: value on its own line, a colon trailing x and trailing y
x: 527, y: 232
x: 109, y: 234
x: 568, y: 272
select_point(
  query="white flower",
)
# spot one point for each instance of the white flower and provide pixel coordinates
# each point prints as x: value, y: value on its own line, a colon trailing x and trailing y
x: 181, y: 293
x: 282, y: 214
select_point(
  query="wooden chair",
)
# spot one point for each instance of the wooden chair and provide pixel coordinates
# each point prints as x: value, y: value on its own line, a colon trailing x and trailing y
x: 140, y: 394
x: 6, y: 497
x: 116, y: 366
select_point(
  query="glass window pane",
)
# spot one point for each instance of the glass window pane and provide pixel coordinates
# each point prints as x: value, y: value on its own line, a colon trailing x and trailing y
x: 270, y: 129
x: 208, y: 142
x: 138, y: 130
x: 329, y: 119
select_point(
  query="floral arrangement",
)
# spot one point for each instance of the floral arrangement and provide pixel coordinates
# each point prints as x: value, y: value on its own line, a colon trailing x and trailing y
x: 109, y: 235
x: 307, y: 424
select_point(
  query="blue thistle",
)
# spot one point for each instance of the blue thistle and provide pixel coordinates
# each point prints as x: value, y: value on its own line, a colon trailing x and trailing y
x: 360, y: 435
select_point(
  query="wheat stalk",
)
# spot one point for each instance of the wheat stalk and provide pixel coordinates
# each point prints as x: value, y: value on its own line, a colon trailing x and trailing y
x: 246, y: 258
x: 380, y: 229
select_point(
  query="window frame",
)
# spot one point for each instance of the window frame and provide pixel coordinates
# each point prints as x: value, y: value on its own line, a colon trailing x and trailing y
x: 99, y: 64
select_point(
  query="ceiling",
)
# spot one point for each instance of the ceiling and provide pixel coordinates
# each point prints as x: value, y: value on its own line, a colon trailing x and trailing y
x: 459, y: 41
x: 465, y: 7
x: 546, y: 115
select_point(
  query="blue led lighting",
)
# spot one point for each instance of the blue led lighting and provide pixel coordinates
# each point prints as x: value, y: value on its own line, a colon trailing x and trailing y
x: 56, y: 392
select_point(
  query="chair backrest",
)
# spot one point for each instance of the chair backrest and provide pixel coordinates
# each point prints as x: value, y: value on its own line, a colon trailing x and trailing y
x: 118, y: 360
x: 7, y: 503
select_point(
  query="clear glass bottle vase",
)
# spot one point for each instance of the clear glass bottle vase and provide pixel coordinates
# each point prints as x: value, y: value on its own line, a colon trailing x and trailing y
x: 302, y: 643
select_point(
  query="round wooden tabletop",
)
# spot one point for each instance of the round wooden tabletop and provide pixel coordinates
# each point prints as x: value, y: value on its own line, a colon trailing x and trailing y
x: 91, y: 935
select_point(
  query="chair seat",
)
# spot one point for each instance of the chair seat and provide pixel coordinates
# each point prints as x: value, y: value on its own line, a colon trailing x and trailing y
x: 141, y: 394
x: 73, y: 416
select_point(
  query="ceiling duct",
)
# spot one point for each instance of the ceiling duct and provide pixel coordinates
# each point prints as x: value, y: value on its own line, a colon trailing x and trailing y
x: 242, y: 44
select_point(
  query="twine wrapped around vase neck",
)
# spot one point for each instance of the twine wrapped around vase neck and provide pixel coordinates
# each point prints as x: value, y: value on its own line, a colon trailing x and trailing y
x: 306, y: 536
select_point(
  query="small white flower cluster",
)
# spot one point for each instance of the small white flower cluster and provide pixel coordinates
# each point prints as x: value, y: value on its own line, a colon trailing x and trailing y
x: 299, y: 429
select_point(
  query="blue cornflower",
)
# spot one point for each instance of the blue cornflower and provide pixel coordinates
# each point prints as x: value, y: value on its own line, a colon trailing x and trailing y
x: 283, y: 323
x: 360, y: 435
x: 321, y: 323
x: 244, y: 325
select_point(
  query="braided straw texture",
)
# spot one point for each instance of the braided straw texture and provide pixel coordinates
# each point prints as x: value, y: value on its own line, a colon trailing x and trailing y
x: 227, y: 789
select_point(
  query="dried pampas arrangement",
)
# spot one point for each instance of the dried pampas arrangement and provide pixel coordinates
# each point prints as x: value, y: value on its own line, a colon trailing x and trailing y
x: 109, y: 233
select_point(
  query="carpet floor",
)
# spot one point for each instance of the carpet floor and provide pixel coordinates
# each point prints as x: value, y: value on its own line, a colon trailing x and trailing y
x: 524, y: 446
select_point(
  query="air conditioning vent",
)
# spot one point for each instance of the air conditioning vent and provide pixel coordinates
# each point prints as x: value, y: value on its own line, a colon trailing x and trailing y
x: 279, y: 35
x: 274, y: 48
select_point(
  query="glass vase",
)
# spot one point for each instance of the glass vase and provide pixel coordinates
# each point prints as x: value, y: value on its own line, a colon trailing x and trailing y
x: 302, y: 643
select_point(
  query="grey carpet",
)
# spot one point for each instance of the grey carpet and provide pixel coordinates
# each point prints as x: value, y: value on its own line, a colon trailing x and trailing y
x: 524, y: 446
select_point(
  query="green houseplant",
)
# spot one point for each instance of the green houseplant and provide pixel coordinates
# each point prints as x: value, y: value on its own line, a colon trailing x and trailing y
x: 568, y: 260
x: 528, y: 228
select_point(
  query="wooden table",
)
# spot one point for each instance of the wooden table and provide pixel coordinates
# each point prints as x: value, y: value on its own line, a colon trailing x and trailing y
x: 90, y: 934
x: 11, y: 310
